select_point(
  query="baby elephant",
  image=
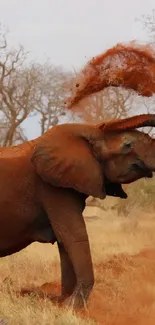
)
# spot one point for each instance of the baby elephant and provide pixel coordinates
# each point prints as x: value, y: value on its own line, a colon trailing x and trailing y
x: 44, y: 184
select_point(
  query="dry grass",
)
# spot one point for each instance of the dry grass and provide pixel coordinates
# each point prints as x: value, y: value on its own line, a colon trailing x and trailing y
x: 33, y: 266
x: 123, y: 250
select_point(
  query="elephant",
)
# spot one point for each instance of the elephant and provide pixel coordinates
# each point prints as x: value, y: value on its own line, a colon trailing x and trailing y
x: 45, y: 182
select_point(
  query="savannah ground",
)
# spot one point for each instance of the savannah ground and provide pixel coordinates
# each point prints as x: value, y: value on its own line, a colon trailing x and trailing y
x: 122, y: 238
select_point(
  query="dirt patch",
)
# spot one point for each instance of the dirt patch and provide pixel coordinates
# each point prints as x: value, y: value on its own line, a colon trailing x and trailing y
x: 146, y: 253
x: 124, y: 291
x: 123, y: 252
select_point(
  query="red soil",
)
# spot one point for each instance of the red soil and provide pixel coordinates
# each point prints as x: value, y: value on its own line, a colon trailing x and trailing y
x: 124, y: 292
x: 128, y: 296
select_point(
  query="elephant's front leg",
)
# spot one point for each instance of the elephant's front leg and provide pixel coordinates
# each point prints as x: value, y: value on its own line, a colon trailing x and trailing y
x: 75, y: 241
x: 79, y: 252
x: 68, y: 277
x: 69, y: 227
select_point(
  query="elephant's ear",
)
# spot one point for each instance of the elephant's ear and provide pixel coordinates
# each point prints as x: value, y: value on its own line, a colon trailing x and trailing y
x: 129, y: 123
x: 66, y: 160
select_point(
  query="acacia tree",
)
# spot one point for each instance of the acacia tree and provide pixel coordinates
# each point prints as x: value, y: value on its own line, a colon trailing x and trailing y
x: 52, y: 86
x: 110, y: 103
x: 27, y: 89
x: 17, y: 88
x: 148, y: 22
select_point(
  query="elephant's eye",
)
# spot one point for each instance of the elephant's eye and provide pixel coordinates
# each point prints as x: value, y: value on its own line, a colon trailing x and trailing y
x: 128, y: 145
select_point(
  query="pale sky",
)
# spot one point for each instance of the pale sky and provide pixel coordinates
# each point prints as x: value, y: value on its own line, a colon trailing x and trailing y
x: 70, y: 32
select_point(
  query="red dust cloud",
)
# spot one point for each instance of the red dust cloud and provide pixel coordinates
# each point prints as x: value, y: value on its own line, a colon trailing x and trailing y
x: 129, y: 66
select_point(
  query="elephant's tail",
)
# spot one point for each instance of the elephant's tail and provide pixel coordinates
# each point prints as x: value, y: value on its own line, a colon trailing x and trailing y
x: 130, y: 66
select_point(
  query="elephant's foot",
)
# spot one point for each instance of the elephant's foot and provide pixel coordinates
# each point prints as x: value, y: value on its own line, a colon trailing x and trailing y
x: 46, y: 290
x: 58, y: 299
x: 37, y: 292
x: 75, y: 303
x: 78, y: 299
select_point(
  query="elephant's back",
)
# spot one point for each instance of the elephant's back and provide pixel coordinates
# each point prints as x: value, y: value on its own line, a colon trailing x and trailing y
x: 16, y: 170
x: 15, y: 162
x: 18, y: 151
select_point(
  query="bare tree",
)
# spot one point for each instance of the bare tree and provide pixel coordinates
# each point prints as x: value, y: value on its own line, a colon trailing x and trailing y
x: 110, y: 103
x: 17, y: 85
x: 27, y: 89
x: 52, y: 85
x: 148, y: 22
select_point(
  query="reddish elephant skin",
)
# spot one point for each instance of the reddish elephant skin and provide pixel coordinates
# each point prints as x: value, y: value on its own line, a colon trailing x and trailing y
x: 45, y: 182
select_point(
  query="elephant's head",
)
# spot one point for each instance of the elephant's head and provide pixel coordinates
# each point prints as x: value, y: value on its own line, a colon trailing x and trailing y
x: 81, y: 156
